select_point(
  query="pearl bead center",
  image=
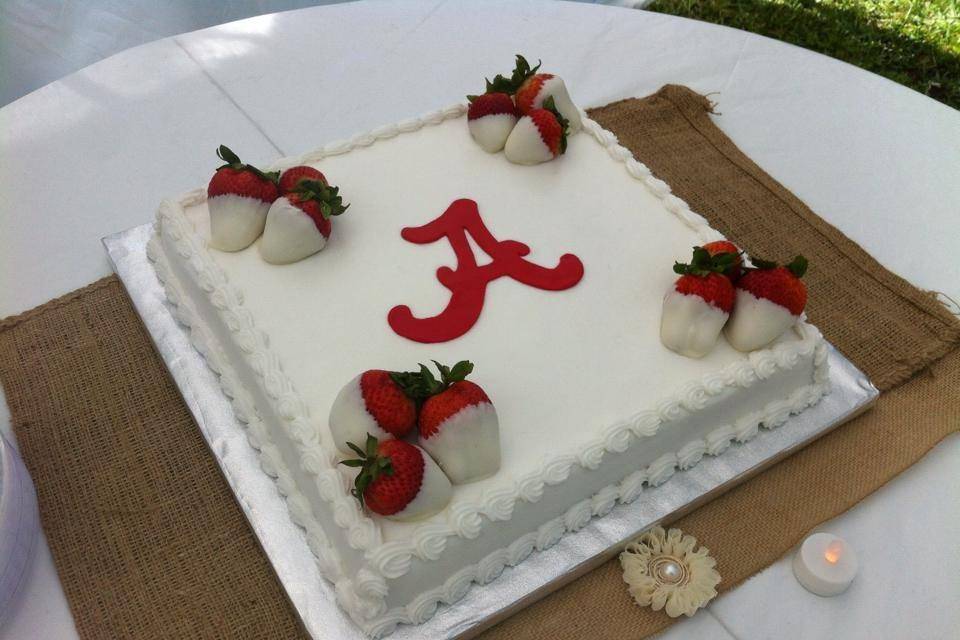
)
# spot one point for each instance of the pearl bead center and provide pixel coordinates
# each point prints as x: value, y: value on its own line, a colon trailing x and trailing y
x: 668, y: 570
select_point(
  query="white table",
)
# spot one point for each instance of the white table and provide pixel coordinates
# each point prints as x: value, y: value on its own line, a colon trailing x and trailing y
x: 95, y: 152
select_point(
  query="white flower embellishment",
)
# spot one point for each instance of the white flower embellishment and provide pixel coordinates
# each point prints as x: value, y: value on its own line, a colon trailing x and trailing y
x: 665, y: 571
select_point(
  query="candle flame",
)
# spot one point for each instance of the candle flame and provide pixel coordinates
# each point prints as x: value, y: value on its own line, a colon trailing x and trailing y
x: 834, y: 549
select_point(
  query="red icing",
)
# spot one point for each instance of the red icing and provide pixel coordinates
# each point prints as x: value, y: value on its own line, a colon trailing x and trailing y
x: 468, y: 282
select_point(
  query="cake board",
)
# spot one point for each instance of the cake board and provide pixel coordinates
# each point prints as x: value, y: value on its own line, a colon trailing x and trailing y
x: 542, y: 572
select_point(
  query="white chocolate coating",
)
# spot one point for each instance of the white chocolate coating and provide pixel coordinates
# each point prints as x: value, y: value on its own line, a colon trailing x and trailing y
x: 756, y: 322
x: 525, y: 146
x: 689, y: 324
x: 290, y: 234
x: 435, y: 493
x: 467, y: 444
x: 236, y: 221
x: 561, y: 99
x: 491, y: 132
x: 350, y: 421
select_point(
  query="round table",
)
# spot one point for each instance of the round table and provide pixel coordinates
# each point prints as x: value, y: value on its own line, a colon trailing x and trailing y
x: 95, y: 152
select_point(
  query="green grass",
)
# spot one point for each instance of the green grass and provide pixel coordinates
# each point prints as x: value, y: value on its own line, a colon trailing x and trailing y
x: 913, y: 42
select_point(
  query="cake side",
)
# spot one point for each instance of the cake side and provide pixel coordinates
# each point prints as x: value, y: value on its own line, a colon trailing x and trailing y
x: 364, y: 590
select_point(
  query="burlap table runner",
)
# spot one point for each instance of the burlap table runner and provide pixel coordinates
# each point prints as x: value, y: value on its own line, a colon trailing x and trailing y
x: 149, y: 542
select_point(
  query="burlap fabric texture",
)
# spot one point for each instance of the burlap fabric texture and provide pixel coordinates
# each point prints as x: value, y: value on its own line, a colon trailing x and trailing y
x: 149, y: 542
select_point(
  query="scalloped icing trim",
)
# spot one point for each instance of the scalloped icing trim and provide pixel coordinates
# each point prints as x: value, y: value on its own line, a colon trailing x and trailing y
x: 601, y: 503
x: 364, y: 597
x: 243, y: 408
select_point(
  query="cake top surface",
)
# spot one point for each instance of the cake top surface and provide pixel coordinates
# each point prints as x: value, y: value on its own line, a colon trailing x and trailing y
x: 561, y: 366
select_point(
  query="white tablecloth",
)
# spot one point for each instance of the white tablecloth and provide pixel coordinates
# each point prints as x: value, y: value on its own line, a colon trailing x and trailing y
x: 95, y: 152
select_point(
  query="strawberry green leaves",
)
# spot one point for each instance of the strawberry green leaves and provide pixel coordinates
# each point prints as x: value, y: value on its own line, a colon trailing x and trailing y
x: 521, y: 73
x: 797, y: 266
x: 551, y: 106
x: 459, y: 372
x: 760, y: 263
x: 371, y: 464
x: 420, y: 385
x: 327, y: 197
x: 703, y: 264
x: 233, y: 161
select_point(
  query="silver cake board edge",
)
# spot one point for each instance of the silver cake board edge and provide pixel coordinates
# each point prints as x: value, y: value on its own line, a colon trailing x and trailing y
x: 542, y: 572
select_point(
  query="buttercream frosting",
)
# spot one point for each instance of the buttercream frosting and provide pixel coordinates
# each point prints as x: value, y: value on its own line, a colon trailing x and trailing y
x: 371, y: 562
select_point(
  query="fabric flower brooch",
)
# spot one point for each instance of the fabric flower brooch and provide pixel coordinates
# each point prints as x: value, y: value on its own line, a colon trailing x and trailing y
x: 665, y: 570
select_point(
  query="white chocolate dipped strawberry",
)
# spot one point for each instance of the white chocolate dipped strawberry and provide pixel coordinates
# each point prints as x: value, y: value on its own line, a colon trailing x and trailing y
x: 458, y: 425
x: 238, y: 198
x: 490, y: 119
x: 376, y: 402
x: 299, y: 222
x: 698, y: 304
x: 531, y: 90
x: 539, y: 136
x: 398, y: 480
x: 770, y: 299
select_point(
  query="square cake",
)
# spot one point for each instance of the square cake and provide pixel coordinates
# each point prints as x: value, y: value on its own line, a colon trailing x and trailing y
x: 573, y: 257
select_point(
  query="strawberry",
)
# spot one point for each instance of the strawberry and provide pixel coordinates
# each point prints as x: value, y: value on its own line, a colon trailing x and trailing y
x: 725, y: 246
x: 770, y: 299
x: 238, y: 198
x: 490, y: 119
x: 398, y: 480
x: 298, y: 223
x: 458, y: 424
x: 698, y: 304
x: 381, y: 403
x: 531, y: 89
x: 539, y: 136
x: 292, y: 177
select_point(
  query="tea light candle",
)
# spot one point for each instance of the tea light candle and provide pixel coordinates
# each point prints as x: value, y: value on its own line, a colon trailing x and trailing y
x: 825, y: 564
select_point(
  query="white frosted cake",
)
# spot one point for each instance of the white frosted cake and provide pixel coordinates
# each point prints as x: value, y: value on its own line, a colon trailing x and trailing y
x: 592, y: 406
